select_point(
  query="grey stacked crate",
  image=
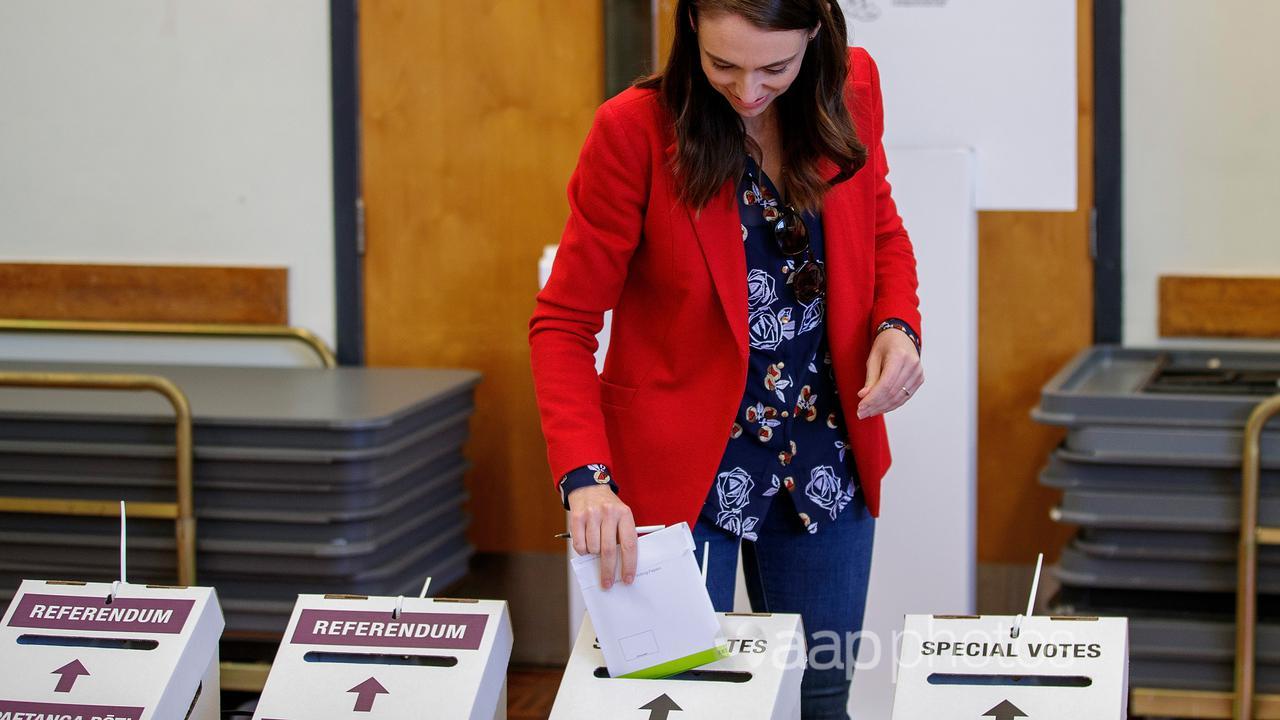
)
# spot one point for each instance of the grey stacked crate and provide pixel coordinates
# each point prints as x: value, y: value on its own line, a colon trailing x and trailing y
x: 306, y: 480
x: 1150, y: 473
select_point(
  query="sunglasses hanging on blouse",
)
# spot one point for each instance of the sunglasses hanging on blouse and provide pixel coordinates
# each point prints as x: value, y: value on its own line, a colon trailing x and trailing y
x: 808, y: 281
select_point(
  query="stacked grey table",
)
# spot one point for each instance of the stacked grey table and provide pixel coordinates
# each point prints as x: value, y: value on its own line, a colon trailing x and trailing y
x: 1150, y: 473
x: 345, y: 480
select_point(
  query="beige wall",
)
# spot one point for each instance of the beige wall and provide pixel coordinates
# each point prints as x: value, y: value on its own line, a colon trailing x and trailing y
x: 1201, y: 146
x: 183, y: 132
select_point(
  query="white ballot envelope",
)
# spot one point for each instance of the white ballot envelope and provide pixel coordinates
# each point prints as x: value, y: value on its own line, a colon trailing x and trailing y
x: 663, y: 623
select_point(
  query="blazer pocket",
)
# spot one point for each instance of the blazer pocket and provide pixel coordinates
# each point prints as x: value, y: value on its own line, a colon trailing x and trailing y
x: 618, y: 396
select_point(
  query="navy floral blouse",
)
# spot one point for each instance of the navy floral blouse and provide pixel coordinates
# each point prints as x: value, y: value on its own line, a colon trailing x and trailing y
x: 788, y: 434
x: 789, y: 431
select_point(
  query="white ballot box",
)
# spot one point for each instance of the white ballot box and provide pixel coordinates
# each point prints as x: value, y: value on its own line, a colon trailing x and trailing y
x: 1056, y: 668
x: 760, y: 680
x: 151, y: 653
x: 391, y: 658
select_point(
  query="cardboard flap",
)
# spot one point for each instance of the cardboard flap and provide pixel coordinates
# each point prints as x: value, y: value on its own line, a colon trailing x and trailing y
x: 144, y: 655
x: 1054, y: 668
x: 759, y: 679
x: 390, y: 656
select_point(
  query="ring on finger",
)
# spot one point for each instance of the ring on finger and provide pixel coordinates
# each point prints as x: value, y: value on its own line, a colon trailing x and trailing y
x: 905, y: 390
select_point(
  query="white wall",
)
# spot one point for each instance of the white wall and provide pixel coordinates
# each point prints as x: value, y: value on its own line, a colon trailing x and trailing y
x: 191, y: 132
x: 998, y: 76
x: 1201, y: 146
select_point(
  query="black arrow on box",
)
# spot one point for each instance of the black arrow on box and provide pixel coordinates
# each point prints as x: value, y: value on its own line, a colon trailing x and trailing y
x: 1005, y: 711
x: 366, y: 693
x: 69, y: 673
x: 660, y: 707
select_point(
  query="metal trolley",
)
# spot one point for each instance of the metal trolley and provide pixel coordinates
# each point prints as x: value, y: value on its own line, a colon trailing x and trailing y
x: 182, y: 512
x: 78, y: 327
x: 1243, y: 703
x: 235, y: 676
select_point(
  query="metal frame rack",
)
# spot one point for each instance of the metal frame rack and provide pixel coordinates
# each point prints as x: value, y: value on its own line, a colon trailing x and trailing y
x: 182, y: 512
x: 1243, y: 703
x: 284, y: 332
x: 235, y: 676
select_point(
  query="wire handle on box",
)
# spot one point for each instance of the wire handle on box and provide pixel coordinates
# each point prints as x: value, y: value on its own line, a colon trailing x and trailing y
x: 124, y: 567
x: 1031, y: 601
x: 395, y: 614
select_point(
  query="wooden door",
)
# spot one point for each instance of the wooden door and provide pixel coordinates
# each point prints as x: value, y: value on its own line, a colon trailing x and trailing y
x: 472, y: 117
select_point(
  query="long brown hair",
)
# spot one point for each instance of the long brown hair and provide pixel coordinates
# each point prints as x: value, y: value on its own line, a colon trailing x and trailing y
x: 812, y: 116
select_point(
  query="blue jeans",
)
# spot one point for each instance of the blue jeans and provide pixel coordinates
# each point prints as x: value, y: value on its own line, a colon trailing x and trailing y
x: 821, y: 577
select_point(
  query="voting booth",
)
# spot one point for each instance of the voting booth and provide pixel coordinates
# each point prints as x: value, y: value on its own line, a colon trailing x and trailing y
x: 390, y: 657
x: 1051, y: 668
x: 80, y: 650
x: 759, y: 680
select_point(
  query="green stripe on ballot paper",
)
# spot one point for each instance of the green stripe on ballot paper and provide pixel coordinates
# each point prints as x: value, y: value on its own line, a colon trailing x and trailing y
x: 679, y: 665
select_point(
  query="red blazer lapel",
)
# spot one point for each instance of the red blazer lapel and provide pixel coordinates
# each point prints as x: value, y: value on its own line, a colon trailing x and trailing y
x: 719, y: 232
x: 844, y: 225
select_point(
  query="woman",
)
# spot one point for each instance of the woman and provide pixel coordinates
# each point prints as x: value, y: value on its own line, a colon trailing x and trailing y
x: 733, y: 212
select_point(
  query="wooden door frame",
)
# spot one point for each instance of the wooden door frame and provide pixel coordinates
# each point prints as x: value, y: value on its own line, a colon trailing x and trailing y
x: 1108, y: 167
x: 348, y: 224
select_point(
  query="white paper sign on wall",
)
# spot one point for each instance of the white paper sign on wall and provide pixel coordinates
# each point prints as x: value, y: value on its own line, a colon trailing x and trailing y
x: 760, y: 680
x: 390, y: 658
x: 997, y: 75
x: 973, y: 668
x: 151, y: 653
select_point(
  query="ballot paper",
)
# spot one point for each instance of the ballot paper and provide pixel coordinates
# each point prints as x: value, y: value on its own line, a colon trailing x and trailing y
x: 663, y: 623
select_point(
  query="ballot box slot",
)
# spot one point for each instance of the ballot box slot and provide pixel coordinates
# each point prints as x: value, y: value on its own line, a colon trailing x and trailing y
x: 194, y: 699
x: 1053, y: 681
x: 724, y: 676
x: 88, y: 642
x: 348, y: 658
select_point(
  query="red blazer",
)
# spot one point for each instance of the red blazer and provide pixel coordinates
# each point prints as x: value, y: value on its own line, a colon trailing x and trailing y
x: 660, y: 413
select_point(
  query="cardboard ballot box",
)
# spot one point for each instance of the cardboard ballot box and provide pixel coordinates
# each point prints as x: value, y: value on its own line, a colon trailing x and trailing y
x: 1056, y: 668
x: 344, y: 654
x: 760, y: 680
x: 151, y: 653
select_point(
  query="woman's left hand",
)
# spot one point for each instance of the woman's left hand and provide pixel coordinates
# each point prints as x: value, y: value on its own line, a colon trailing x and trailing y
x: 894, y: 374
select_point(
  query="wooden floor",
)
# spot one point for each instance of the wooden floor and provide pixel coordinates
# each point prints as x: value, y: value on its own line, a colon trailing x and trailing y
x: 531, y: 691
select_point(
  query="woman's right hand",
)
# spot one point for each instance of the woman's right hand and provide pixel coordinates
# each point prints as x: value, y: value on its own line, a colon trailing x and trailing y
x: 601, y: 524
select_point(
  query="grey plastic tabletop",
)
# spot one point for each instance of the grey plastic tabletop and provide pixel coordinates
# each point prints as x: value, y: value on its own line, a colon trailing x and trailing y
x: 1109, y: 385
x: 339, y: 398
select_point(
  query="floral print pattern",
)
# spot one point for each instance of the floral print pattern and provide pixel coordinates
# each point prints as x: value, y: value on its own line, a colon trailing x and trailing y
x: 760, y: 290
x: 788, y: 437
x: 824, y: 488
x: 733, y: 491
